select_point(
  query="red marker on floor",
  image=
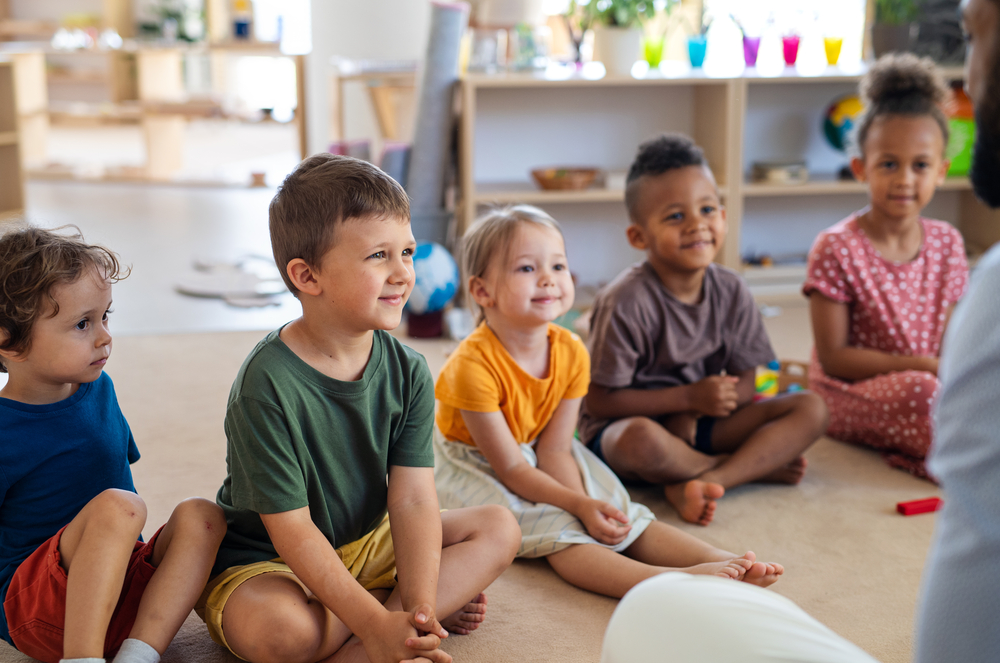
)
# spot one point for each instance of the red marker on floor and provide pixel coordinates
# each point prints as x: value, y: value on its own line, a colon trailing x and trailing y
x: 914, y: 507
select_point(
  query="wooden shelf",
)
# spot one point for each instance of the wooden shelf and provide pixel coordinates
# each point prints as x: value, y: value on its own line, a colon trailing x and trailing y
x: 829, y: 186
x: 526, y: 192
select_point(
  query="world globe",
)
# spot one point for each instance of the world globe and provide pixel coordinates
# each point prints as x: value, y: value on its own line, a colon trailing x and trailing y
x: 839, y: 121
x: 436, y: 279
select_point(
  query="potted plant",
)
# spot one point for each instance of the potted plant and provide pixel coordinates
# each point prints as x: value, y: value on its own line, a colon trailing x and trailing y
x: 617, y: 29
x: 894, y: 28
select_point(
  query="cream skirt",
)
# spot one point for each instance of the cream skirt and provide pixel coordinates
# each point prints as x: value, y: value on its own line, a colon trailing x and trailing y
x: 464, y: 478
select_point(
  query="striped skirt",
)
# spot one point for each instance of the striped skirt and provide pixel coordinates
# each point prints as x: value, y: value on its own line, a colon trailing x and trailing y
x: 464, y: 478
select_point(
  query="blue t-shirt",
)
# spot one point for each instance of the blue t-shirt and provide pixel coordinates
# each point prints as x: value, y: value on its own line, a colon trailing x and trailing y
x: 54, y: 459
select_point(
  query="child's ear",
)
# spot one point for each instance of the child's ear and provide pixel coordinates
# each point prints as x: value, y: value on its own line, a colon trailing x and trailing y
x: 302, y: 276
x: 858, y: 168
x: 9, y: 356
x: 480, y: 294
x: 636, y: 236
x: 943, y: 172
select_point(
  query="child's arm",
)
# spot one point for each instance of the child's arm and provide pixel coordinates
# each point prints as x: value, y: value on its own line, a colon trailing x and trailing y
x: 554, y: 448
x: 494, y: 439
x: 416, y: 537
x: 714, y: 396
x: 386, y: 636
x: 830, y: 323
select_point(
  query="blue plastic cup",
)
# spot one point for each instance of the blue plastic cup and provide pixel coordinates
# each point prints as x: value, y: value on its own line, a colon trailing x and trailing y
x: 697, y: 45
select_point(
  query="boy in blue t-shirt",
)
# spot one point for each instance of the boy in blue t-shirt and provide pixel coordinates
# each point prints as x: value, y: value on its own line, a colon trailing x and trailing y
x: 329, y: 427
x: 76, y: 583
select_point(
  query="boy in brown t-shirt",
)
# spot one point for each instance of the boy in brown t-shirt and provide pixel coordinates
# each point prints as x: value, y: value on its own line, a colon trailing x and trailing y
x: 674, y: 344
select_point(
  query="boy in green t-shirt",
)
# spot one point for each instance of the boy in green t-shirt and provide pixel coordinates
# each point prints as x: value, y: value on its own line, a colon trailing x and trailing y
x: 329, y: 425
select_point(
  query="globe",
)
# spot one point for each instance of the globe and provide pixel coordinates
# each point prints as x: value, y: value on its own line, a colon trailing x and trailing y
x: 436, y: 279
x: 840, y: 119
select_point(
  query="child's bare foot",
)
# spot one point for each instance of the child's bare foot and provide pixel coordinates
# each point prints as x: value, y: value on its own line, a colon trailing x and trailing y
x: 791, y: 473
x: 694, y: 500
x: 734, y: 569
x: 763, y: 574
x: 468, y: 618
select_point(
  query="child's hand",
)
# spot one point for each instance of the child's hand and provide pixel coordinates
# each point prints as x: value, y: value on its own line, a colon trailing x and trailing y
x: 604, y: 522
x: 423, y: 619
x: 394, y: 638
x: 715, y: 396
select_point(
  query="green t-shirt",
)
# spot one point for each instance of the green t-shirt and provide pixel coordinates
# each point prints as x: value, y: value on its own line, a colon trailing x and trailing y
x: 299, y: 438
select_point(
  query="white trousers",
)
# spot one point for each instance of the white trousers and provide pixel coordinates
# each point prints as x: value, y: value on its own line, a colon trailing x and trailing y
x: 683, y: 618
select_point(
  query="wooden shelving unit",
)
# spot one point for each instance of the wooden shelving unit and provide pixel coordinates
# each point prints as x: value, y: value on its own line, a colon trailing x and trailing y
x: 713, y: 111
x: 11, y: 178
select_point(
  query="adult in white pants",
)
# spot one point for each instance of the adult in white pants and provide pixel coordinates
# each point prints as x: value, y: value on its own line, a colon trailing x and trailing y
x: 684, y: 618
x: 677, y: 617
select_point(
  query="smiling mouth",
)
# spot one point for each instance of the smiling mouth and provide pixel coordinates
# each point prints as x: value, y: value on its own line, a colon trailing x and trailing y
x: 392, y: 300
x: 546, y: 300
x: 99, y: 362
x: 699, y: 244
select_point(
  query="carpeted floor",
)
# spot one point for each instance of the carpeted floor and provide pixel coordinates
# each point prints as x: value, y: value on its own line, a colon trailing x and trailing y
x: 851, y: 561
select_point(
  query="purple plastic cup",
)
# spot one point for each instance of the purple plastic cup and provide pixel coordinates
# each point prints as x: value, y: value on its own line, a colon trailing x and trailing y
x: 750, y: 47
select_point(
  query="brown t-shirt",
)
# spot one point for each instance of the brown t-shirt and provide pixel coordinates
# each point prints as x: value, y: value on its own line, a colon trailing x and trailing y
x: 642, y: 337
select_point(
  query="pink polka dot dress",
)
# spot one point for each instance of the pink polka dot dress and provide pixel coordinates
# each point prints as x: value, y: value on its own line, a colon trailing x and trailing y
x: 898, y: 308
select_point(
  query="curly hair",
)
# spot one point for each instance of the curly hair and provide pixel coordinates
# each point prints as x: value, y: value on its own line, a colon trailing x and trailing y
x: 655, y: 157
x: 902, y: 84
x: 32, y: 262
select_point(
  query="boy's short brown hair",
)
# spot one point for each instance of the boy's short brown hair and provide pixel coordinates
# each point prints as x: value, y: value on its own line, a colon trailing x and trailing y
x: 321, y: 192
x: 32, y: 262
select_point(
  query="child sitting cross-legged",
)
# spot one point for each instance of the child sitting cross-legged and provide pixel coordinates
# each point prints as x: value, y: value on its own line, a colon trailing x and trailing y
x: 883, y: 282
x: 336, y: 544
x: 509, y: 398
x: 674, y: 343
x: 76, y: 581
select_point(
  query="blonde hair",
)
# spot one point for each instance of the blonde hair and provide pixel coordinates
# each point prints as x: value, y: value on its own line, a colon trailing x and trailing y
x: 490, y: 237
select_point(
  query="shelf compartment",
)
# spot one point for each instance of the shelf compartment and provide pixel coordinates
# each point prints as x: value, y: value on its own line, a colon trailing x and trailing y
x: 829, y: 186
x: 525, y: 192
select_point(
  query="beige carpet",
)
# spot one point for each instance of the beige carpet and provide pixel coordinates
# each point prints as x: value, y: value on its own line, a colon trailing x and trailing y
x: 851, y: 561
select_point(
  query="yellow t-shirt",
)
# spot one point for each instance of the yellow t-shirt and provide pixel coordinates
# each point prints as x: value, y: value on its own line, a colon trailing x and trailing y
x: 480, y: 376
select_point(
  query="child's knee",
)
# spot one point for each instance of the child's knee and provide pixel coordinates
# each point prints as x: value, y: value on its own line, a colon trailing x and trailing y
x: 286, y: 637
x: 117, y: 511
x: 200, y: 517
x: 813, y: 407
x: 640, y: 439
x: 499, y: 521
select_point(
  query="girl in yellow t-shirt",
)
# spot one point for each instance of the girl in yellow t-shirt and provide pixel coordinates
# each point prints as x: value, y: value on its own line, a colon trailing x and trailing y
x: 509, y: 399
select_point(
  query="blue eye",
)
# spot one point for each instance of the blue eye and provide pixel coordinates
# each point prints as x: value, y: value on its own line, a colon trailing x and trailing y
x: 526, y: 268
x: 82, y: 325
x: 708, y: 210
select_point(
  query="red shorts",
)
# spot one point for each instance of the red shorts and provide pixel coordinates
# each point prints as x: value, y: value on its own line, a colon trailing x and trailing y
x: 36, y: 600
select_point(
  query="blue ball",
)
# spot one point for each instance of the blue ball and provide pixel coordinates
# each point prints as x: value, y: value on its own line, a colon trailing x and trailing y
x: 436, y: 279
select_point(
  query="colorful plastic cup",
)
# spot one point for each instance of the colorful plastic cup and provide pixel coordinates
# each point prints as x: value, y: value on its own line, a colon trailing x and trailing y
x: 750, y: 47
x: 652, y: 50
x: 832, y: 47
x: 697, y: 45
x: 790, y: 48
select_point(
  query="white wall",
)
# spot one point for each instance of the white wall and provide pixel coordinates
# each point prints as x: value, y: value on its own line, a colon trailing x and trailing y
x: 377, y: 29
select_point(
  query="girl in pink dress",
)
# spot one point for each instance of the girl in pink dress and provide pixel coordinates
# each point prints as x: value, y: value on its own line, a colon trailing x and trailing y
x: 882, y: 283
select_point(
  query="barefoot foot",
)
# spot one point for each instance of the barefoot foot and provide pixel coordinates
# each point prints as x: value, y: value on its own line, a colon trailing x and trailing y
x: 468, y: 618
x: 733, y: 569
x: 790, y: 473
x: 694, y: 500
x: 763, y: 574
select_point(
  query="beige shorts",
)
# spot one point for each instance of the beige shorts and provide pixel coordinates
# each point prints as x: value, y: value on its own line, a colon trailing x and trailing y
x: 371, y: 560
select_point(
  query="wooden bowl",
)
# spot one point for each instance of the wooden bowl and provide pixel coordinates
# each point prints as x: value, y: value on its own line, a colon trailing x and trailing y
x: 576, y: 179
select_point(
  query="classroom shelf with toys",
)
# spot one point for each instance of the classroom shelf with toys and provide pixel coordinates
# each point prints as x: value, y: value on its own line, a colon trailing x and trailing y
x: 513, y: 123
